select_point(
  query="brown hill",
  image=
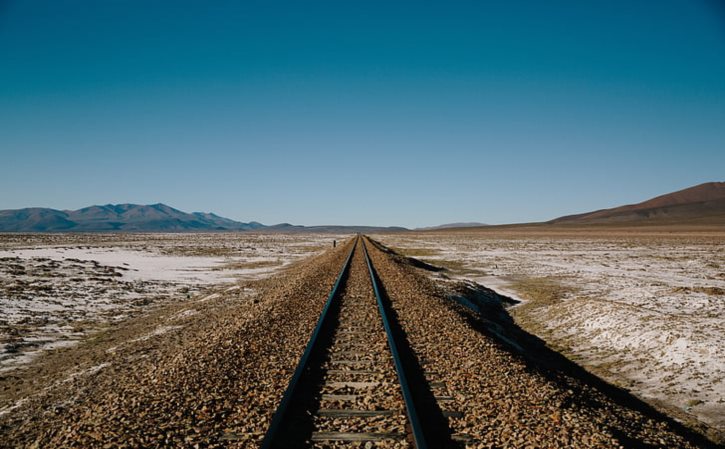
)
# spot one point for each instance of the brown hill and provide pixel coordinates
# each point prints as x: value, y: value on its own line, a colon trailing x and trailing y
x: 701, y: 204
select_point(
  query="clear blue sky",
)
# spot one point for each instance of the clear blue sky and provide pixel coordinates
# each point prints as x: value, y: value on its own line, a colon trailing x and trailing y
x: 364, y: 112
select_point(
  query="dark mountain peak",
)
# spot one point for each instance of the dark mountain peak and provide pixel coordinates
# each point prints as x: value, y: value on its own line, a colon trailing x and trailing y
x: 163, y: 208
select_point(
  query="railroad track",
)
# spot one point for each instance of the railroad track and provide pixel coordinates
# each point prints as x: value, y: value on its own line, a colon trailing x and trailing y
x: 358, y: 383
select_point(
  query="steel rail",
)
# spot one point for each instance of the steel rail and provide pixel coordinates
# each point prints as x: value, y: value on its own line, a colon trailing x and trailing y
x: 419, y: 438
x: 303, y: 365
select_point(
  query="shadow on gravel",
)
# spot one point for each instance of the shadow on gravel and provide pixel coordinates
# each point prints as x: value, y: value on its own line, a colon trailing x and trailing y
x: 485, y: 311
x: 432, y: 419
x: 410, y: 260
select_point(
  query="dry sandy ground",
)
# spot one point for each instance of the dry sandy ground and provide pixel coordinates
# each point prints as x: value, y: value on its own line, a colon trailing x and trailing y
x: 645, y: 311
x: 57, y: 289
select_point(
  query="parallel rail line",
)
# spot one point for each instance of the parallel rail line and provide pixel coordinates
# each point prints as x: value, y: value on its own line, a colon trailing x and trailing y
x: 303, y: 366
x: 410, y: 405
x: 293, y: 423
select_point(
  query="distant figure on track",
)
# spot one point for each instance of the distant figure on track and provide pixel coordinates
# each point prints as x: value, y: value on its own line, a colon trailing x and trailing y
x: 334, y: 243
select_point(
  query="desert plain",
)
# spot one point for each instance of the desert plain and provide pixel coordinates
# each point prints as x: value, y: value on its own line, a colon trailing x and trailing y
x: 641, y: 308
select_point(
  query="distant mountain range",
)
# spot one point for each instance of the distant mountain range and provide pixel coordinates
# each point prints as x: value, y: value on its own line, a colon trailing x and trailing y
x: 286, y: 227
x: 144, y: 218
x: 701, y: 204
x: 472, y: 224
x: 116, y: 217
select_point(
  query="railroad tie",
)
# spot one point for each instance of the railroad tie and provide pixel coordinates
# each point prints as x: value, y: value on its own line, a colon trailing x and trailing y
x: 351, y: 413
x: 340, y: 397
x: 352, y: 384
x: 352, y: 362
x: 362, y: 436
x: 354, y: 372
